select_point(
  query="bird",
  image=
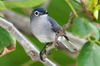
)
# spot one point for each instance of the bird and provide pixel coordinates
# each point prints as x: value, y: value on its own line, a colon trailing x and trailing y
x: 44, y: 28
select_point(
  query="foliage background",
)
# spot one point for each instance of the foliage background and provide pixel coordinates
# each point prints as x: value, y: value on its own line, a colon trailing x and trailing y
x: 59, y: 10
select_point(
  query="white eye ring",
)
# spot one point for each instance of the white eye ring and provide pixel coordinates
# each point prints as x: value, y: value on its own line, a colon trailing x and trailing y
x: 36, y: 13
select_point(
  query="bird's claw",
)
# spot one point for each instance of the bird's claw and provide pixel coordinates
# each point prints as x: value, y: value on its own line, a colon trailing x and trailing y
x: 49, y: 53
x: 42, y: 53
x: 41, y: 56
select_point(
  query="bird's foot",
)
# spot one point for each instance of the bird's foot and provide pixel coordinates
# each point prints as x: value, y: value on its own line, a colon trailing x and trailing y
x: 41, y: 56
x: 48, y: 53
x: 44, y: 52
x: 55, y: 44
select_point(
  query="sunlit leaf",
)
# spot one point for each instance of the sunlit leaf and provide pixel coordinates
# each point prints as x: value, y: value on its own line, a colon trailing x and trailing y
x: 90, y: 4
x: 89, y: 55
x: 2, y: 6
x: 97, y: 7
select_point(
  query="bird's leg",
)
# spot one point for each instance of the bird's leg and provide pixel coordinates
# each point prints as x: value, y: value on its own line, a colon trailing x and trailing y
x: 43, y: 51
x: 56, y: 40
x: 46, y: 51
x: 54, y: 44
x: 47, y: 47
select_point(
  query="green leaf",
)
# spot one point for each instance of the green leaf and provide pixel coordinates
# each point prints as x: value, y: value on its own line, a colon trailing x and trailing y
x: 96, y: 11
x: 83, y: 27
x: 89, y: 55
x: 6, y: 40
x: 2, y: 6
x: 97, y: 7
x: 90, y: 4
x: 21, y: 4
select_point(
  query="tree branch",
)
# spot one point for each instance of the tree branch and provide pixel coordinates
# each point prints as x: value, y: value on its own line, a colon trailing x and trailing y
x: 20, y: 22
x: 30, y: 49
x: 23, y: 24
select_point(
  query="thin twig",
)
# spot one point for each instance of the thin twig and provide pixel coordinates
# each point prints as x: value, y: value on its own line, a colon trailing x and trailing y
x: 69, y: 22
x: 30, y: 49
x: 72, y: 8
x: 62, y: 33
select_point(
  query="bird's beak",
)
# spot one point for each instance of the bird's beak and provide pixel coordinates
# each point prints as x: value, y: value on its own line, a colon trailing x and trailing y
x: 46, y: 12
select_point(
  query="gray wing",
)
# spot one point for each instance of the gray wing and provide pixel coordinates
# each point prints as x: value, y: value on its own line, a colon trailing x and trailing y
x: 55, y: 25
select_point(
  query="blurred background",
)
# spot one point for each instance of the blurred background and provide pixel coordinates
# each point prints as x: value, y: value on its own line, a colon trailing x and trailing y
x: 60, y: 11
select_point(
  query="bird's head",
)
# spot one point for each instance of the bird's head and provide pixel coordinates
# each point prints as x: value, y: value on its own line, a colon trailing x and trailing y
x: 39, y: 12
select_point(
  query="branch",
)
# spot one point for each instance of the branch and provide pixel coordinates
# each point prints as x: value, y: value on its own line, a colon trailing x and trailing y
x: 19, y: 21
x: 23, y: 24
x: 28, y: 46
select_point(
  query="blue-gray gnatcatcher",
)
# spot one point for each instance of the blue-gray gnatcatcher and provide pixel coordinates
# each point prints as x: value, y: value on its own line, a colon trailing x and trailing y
x: 45, y: 28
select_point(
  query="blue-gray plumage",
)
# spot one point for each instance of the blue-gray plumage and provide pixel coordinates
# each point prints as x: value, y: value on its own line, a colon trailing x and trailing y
x: 45, y: 28
x: 54, y: 24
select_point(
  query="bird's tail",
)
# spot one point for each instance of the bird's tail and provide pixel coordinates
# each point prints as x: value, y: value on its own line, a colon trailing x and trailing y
x: 68, y: 44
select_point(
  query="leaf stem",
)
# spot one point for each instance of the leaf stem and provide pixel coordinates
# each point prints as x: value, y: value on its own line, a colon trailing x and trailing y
x: 72, y: 8
x: 96, y: 41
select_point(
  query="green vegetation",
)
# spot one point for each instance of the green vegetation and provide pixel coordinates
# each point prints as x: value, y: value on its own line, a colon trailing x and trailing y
x: 59, y: 10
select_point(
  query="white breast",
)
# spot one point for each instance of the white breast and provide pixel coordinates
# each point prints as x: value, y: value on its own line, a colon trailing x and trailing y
x: 42, y: 29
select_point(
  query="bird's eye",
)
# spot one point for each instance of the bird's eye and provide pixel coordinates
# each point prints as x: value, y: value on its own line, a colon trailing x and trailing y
x: 36, y: 13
